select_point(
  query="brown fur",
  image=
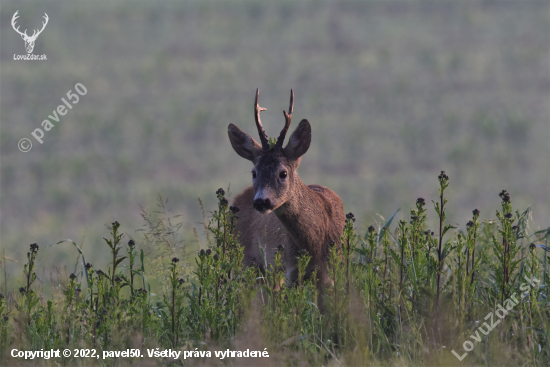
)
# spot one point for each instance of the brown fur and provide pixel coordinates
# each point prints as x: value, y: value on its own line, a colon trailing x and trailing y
x: 309, y: 223
x: 297, y: 216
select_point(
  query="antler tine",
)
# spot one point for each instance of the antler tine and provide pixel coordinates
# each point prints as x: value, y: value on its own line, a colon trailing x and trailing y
x: 288, y: 119
x: 46, y: 18
x: 13, y: 21
x: 261, y: 131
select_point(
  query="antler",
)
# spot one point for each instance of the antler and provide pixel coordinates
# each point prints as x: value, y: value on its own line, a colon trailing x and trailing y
x: 261, y: 131
x: 288, y: 118
x: 13, y: 20
x: 35, y: 35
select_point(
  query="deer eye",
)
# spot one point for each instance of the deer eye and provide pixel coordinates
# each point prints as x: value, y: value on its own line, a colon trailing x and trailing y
x: 283, y: 174
x: 253, y: 174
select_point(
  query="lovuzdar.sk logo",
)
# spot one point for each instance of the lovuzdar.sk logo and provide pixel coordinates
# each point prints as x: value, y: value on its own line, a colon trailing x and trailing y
x: 29, y: 40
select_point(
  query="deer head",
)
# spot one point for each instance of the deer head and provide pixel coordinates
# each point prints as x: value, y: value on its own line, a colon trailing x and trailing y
x: 29, y: 40
x: 274, y: 172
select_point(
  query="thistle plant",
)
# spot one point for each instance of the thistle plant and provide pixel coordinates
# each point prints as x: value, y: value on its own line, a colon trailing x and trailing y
x: 274, y: 288
x: 131, y: 257
x: 303, y: 262
x: 440, y: 210
x: 387, y: 259
x: 370, y: 265
x: 460, y: 275
x: 175, y: 301
x: 472, y: 228
x: 30, y: 299
x: 71, y: 293
x: 403, y: 230
x: 417, y: 224
x: 99, y: 308
x: 223, y: 287
x: 431, y: 262
x: 348, y: 245
x: 114, y: 245
x: 506, y: 251
x: 338, y: 299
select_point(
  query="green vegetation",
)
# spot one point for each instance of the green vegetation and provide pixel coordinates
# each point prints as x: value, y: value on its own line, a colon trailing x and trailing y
x: 401, y: 294
x: 394, y: 90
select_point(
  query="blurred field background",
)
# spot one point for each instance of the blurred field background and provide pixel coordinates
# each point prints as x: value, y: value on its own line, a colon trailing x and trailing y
x: 395, y: 91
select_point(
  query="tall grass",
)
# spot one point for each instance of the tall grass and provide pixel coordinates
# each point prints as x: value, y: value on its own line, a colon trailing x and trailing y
x: 400, y: 294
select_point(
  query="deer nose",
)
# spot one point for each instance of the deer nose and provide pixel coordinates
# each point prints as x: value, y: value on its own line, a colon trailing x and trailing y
x: 262, y: 204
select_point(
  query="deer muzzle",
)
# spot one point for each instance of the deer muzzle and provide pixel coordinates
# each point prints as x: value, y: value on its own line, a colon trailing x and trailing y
x: 262, y: 205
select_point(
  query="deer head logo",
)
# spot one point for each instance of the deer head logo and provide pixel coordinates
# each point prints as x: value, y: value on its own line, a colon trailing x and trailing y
x: 29, y: 40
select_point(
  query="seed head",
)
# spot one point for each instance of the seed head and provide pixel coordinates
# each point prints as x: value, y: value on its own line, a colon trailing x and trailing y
x: 234, y: 209
x: 470, y: 224
x: 280, y: 247
x: 175, y: 260
x: 1, y: 296
x: 78, y: 290
x: 181, y: 280
x: 220, y: 192
x: 532, y: 246
x: 118, y: 279
x: 302, y: 252
x: 216, y: 257
x: 88, y: 266
x: 34, y: 247
x: 22, y: 290
x: 100, y: 272
x: 508, y: 215
x: 331, y: 243
x: 131, y: 243
x: 202, y: 253
x: 371, y: 229
x: 6, y: 318
x: 504, y: 196
x: 223, y: 201
x: 350, y: 216
x: 443, y: 177
x: 72, y: 276
x: 208, y: 252
x: 476, y: 213
x: 420, y: 202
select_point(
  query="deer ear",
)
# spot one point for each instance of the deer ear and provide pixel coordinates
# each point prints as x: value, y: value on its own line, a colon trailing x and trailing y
x: 299, y: 141
x: 243, y: 144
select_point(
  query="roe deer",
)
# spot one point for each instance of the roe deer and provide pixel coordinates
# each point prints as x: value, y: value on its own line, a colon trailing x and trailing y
x: 279, y: 208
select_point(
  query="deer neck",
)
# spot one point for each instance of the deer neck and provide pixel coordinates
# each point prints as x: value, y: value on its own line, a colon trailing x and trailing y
x: 304, y: 216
